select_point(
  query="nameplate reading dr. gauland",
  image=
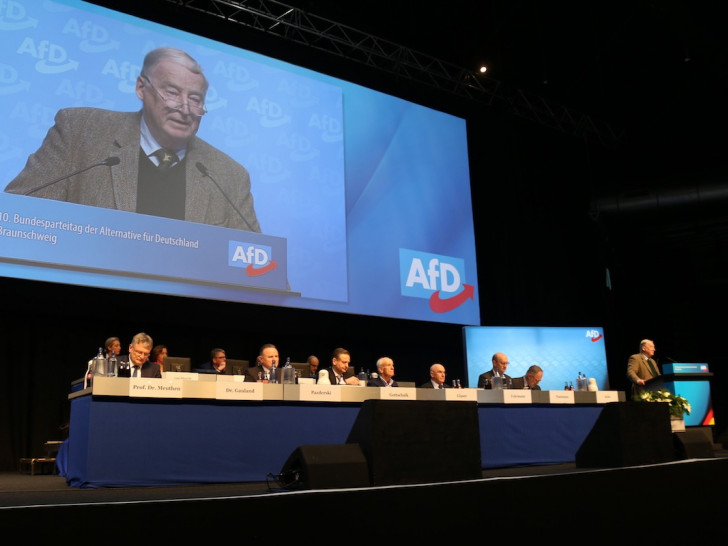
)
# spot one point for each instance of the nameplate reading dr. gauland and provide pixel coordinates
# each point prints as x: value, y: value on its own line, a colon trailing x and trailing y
x: 148, y: 387
x: 239, y: 390
x: 320, y: 393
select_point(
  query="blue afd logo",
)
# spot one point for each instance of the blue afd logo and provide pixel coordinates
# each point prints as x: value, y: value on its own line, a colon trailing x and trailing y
x: 255, y: 259
x: 440, y: 279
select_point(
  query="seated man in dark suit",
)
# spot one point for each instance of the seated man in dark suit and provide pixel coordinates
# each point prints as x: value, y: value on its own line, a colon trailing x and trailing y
x: 313, y: 364
x: 266, y: 361
x: 385, y: 367
x: 340, y: 373
x: 500, y: 365
x: 437, y: 378
x: 217, y: 363
x: 136, y: 363
x: 533, y: 377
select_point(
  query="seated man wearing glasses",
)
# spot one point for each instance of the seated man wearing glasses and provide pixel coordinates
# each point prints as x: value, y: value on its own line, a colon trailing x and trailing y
x: 136, y: 363
x: 149, y: 161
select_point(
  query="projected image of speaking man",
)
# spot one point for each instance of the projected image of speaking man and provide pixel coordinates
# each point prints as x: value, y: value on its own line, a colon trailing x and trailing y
x: 150, y: 161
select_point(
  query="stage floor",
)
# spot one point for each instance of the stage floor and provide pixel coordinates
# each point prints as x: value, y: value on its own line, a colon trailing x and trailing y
x: 530, y: 502
x: 23, y: 490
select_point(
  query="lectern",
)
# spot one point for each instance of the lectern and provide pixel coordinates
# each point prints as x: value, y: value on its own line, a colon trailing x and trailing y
x: 691, y: 381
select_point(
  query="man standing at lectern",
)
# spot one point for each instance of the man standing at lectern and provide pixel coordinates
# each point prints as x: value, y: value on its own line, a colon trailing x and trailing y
x: 641, y: 366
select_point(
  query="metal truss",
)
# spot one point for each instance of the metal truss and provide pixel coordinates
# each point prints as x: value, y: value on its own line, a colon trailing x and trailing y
x: 276, y: 18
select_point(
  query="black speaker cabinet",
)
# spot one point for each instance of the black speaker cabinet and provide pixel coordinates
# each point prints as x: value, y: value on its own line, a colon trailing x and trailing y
x: 627, y: 434
x: 408, y: 442
x: 693, y: 444
x: 325, y: 467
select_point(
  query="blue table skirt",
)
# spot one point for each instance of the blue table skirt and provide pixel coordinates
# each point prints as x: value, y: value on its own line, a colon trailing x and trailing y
x: 116, y: 442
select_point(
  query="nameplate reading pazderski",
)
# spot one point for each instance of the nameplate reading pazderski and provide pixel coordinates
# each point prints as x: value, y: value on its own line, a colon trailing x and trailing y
x: 239, y: 390
x: 152, y: 387
x: 321, y: 393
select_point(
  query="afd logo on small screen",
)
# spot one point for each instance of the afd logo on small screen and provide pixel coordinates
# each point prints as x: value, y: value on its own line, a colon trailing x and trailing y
x: 594, y: 335
x: 256, y: 260
x: 439, y: 279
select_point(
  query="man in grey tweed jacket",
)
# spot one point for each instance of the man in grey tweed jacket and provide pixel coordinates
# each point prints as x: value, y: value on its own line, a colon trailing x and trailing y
x: 210, y: 186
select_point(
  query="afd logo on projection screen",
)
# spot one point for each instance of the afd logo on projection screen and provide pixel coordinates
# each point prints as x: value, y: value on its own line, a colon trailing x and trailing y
x: 438, y: 279
x: 294, y: 181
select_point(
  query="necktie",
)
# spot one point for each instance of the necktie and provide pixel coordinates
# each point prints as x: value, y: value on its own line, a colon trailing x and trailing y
x: 653, y: 369
x: 439, y: 387
x: 166, y: 158
x: 136, y: 369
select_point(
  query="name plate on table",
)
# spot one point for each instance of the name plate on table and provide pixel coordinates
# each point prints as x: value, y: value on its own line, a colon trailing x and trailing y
x: 316, y: 393
x: 560, y: 397
x: 504, y: 396
x: 397, y: 393
x: 239, y: 390
x: 152, y: 387
x: 604, y: 397
x: 189, y: 376
x: 461, y: 395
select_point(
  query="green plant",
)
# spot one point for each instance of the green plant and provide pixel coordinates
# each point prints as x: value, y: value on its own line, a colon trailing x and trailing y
x: 678, y: 404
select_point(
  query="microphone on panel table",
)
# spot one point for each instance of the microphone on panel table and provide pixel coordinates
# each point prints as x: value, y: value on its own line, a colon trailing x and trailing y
x: 206, y: 173
x: 108, y: 162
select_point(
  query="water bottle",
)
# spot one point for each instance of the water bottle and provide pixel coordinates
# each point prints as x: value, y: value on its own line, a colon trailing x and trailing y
x: 124, y: 369
x: 89, y: 375
x: 99, y: 364
x: 112, y: 365
x: 273, y: 374
x: 289, y: 373
x: 363, y: 378
x: 580, y: 382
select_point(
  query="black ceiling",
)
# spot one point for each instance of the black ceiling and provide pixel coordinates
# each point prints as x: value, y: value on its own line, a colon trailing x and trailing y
x: 654, y: 71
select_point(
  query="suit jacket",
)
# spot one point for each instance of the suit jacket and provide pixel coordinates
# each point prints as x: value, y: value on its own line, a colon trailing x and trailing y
x: 148, y: 369
x: 379, y: 382
x: 251, y: 374
x: 82, y: 137
x: 489, y: 375
x: 520, y: 383
x: 638, y: 367
x: 429, y: 385
x: 332, y: 376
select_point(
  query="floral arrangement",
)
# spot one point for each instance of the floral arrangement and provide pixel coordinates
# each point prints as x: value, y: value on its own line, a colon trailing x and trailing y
x: 678, y: 404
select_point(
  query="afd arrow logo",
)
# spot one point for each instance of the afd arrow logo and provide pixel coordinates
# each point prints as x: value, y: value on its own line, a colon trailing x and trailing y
x: 440, y: 305
x: 254, y: 259
x: 594, y: 335
x: 251, y: 271
x: 439, y: 279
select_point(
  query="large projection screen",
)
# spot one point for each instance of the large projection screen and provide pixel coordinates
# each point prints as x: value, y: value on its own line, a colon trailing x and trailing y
x: 363, y: 198
x: 562, y: 352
